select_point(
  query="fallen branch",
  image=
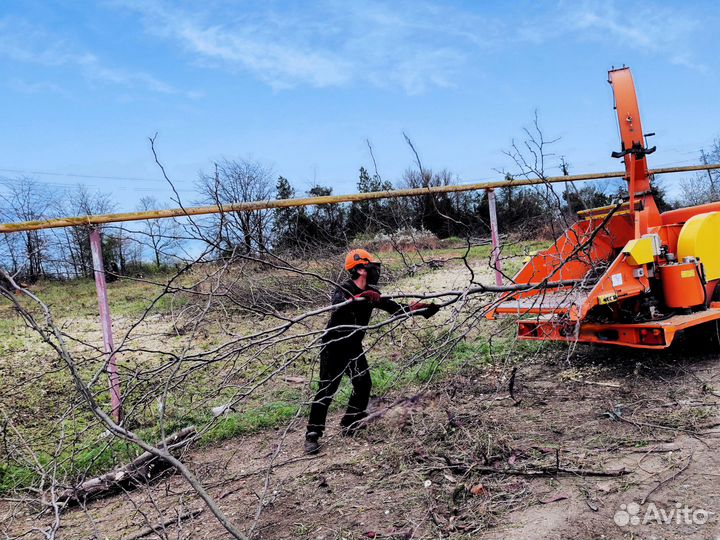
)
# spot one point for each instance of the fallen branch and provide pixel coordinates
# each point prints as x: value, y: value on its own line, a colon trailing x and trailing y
x: 615, y: 416
x: 143, y: 469
x: 157, y: 529
x: 663, y: 482
x: 262, y: 470
x: 596, y: 383
x: 463, y: 468
x: 511, y: 386
x: 550, y: 471
x: 672, y: 447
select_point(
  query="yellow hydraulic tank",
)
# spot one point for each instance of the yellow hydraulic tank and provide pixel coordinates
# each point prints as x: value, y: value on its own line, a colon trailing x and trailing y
x: 700, y: 238
x: 682, y: 285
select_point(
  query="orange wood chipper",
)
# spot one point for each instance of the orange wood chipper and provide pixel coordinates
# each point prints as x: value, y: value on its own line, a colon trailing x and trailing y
x: 625, y: 274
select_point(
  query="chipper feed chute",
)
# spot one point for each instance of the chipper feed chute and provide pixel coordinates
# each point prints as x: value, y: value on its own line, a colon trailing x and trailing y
x: 635, y: 277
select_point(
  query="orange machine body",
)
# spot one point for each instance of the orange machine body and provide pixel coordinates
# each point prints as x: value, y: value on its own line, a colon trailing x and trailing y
x: 682, y: 285
x: 617, y: 297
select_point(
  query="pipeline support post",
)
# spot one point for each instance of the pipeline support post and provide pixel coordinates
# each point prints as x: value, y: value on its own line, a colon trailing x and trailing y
x: 106, y: 323
x: 495, y: 260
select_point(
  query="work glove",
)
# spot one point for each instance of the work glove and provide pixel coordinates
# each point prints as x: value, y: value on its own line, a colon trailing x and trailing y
x: 371, y: 296
x: 428, y: 309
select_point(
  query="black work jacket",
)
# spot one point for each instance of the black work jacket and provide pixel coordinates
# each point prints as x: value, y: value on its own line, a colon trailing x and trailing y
x: 353, y: 315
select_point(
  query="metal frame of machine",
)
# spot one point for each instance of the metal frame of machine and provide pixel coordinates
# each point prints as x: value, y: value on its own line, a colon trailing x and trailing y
x: 636, y: 277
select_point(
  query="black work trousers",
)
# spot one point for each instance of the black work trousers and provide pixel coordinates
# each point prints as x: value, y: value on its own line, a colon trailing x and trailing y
x: 335, y: 361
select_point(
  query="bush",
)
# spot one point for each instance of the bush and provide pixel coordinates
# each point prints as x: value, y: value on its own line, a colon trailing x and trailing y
x: 405, y: 239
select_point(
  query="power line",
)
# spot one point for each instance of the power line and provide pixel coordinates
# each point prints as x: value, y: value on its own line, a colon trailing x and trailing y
x: 81, y: 175
x: 62, y: 185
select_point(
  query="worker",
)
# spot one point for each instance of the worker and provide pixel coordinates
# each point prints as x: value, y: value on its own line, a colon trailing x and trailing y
x: 342, y: 349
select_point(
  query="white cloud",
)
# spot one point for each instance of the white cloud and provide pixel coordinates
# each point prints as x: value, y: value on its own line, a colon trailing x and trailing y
x: 25, y: 43
x: 131, y: 79
x: 279, y: 65
x: 414, y: 45
x: 21, y: 42
x: 34, y: 87
x: 651, y: 29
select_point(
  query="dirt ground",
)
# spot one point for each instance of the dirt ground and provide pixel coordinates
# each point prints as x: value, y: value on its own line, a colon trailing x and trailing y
x: 460, y: 458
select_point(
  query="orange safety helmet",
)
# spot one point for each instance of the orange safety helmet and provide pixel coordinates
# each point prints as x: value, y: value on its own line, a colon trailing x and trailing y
x: 357, y: 257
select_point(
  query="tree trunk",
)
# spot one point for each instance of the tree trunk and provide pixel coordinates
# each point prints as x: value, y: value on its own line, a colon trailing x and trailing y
x: 142, y: 470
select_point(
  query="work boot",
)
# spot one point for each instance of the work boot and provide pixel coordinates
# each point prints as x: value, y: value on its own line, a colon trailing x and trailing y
x: 312, y: 446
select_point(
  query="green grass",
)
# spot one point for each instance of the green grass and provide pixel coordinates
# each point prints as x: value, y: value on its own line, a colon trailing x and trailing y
x: 284, y: 404
x: 272, y: 408
x: 78, y: 297
x: 13, y: 477
x: 88, y: 461
x: 512, y: 253
x: 515, y: 249
x: 101, y: 457
x: 12, y: 335
x: 266, y: 416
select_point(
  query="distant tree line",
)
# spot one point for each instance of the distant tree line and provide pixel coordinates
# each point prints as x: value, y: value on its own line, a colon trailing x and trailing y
x: 152, y: 245
x: 64, y: 253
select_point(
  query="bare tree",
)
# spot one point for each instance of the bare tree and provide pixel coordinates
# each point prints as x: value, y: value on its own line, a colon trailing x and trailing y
x: 11, y: 245
x: 23, y: 199
x: 532, y: 156
x: 235, y: 182
x: 703, y: 187
x: 162, y: 235
x: 73, y: 248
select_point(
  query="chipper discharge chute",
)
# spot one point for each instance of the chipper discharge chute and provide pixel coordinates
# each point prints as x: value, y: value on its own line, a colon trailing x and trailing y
x: 630, y: 275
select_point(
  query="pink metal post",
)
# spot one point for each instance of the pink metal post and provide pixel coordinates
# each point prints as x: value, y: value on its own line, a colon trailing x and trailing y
x: 106, y: 322
x: 495, y: 260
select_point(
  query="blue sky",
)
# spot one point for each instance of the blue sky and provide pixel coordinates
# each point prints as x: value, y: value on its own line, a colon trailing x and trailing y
x: 300, y: 86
